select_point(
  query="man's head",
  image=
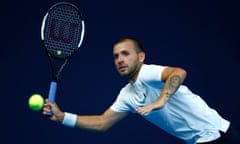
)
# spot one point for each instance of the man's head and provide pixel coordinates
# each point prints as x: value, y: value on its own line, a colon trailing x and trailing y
x: 128, y: 57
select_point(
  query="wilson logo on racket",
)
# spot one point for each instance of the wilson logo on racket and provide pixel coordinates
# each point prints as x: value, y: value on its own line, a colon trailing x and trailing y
x: 62, y: 30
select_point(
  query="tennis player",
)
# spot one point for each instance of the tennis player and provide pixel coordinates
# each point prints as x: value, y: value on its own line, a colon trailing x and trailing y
x: 156, y: 93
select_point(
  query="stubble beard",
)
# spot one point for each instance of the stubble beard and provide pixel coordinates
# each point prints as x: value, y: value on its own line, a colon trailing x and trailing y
x: 131, y: 73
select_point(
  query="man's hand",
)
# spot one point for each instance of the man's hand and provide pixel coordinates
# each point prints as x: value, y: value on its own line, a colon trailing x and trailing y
x: 150, y: 107
x: 57, y: 114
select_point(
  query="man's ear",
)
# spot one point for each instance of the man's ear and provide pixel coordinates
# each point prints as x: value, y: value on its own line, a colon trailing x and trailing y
x: 142, y: 56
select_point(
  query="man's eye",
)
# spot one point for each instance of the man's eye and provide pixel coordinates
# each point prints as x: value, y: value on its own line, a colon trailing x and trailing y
x: 125, y: 53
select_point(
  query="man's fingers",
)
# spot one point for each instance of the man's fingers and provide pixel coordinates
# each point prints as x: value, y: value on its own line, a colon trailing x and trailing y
x: 141, y: 111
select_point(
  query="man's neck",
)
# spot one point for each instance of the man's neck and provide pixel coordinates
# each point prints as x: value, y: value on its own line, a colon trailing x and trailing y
x: 134, y: 76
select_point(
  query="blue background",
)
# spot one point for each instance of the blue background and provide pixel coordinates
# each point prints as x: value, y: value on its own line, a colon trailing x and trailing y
x: 200, y: 36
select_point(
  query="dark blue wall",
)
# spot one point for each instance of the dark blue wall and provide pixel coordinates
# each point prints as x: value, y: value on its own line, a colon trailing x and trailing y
x: 200, y: 36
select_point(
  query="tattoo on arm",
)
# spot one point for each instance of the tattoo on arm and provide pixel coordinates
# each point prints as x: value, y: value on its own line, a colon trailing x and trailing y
x: 174, y: 83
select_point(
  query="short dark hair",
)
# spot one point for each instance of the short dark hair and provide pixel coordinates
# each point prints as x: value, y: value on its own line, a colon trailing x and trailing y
x: 139, y: 47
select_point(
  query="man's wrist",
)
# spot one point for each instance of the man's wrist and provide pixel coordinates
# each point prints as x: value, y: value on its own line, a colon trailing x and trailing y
x: 69, y: 120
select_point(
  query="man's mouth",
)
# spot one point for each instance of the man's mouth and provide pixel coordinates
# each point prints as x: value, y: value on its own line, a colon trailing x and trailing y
x: 122, y: 68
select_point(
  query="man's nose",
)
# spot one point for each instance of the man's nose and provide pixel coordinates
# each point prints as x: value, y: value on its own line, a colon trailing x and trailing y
x: 120, y: 59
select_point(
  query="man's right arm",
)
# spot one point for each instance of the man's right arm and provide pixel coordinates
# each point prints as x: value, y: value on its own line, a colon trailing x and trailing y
x: 100, y: 122
x: 93, y: 122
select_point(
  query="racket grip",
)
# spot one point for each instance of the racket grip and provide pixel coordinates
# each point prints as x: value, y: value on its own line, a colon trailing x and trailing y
x: 52, y: 93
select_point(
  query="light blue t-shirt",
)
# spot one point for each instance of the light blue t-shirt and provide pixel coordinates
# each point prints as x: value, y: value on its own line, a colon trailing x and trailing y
x: 185, y: 115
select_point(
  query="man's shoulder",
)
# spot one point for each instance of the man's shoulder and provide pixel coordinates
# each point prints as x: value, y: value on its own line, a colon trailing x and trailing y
x: 126, y: 87
x: 148, y: 69
x: 151, y: 65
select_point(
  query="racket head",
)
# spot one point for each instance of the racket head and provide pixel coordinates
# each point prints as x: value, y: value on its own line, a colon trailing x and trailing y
x: 62, y: 30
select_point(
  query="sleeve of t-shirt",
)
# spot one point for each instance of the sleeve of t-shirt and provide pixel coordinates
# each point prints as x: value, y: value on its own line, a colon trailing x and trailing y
x: 120, y: 104
x: 152, y: 73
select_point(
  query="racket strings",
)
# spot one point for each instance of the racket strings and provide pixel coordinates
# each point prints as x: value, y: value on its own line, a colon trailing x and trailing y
x: 63, y: 31
x: 66, y: 13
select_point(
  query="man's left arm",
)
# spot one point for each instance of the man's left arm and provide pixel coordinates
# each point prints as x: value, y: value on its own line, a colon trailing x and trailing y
x: 173, y: 78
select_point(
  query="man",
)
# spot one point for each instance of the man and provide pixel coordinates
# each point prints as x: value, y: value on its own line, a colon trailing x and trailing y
x: 155, y: 92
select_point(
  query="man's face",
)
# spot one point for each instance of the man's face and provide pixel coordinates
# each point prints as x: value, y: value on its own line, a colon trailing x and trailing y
x: 127, y: 60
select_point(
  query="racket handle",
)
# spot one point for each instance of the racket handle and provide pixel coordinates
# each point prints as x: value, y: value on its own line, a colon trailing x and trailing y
x: 52, y: 93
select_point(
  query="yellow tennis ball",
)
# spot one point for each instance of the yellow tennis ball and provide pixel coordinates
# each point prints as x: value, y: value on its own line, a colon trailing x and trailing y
x: 36, y: 102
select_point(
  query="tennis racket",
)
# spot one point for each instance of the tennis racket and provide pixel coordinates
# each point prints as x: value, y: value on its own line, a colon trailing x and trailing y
x: 62, y: 34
